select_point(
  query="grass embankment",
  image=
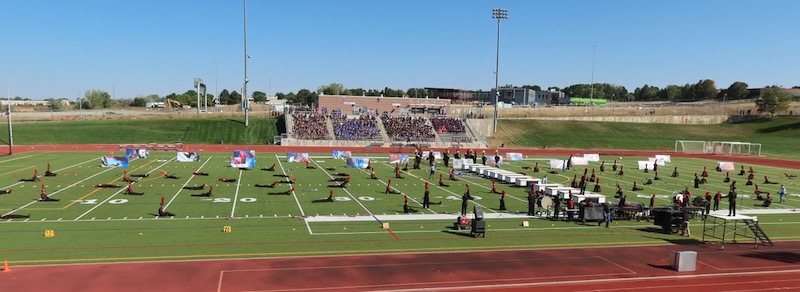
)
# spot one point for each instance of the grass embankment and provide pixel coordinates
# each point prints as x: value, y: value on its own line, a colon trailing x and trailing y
x: 780, y: 137
x: 194, y: 131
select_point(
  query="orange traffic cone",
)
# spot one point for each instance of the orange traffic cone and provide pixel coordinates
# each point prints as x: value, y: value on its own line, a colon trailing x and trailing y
x: 6, y: 268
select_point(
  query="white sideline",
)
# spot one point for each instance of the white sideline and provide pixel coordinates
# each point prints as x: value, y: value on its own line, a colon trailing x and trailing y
x: 757, y: 211
x: 401, y: 217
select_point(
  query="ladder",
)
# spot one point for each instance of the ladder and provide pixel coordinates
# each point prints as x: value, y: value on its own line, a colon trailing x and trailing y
x: 758, y: 232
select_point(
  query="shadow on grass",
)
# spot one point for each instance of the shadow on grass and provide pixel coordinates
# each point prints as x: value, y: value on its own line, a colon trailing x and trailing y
x: 453, y: 231
x: 280, y: 124
x: 237, y: 121
x: 793, y: 126
x: 15, y: 216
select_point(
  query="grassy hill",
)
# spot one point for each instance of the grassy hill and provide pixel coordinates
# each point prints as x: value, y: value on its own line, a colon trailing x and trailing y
x: 200, y: 131
x: 779, y: 136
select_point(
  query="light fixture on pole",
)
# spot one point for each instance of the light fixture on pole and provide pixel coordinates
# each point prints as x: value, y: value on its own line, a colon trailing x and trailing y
x: 497, y: 13
x: 201, y: 90
x: 245, y: 105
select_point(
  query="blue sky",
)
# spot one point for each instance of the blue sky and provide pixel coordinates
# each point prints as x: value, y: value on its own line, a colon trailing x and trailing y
x: 60, y: 49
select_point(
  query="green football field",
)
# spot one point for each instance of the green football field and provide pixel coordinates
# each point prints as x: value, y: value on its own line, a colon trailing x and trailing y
x: 91, y: 224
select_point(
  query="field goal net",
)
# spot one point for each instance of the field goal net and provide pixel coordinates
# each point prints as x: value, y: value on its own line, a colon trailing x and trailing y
x: 693, y: 146
x: 737, y: 148
x: 718, y: 147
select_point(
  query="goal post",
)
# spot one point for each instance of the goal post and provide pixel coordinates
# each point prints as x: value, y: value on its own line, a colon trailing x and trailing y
x: 736, y: 148
x: 718, y: 147
x: 689, y: 146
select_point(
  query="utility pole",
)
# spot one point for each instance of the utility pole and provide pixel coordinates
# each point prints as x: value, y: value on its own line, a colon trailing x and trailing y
x: 245, y: 105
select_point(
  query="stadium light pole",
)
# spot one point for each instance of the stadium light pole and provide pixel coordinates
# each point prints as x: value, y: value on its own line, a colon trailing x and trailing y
x: 591, y: 86
x: 10, y: 129
x: 497, y: 13
x: 245, y: 105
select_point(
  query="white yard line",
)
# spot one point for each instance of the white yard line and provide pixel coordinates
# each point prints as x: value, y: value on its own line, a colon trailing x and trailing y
x: 58, y: 191
x: 446, y: 190
x: 186, y: 183
x: 346, y: 191
x: 12, y: 159
x: 482, y: 186
x: 57, y: 170
x: 116, y: 193
x: 236, y: 194
x: 302, y: 213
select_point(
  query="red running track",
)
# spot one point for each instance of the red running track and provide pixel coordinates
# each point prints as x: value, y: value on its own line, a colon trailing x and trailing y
x: 739, y: 267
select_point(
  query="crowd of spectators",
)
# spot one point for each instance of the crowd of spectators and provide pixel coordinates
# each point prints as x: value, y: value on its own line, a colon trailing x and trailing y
x: 365, y: 127
x: 309, y: 126
x: 408, y: 128
x: 444, y: 124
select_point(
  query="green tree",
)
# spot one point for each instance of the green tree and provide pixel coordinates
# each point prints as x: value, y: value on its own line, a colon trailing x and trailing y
x: 259, y: 96
x: 139, y: 102
x: 307, y: 97
x: 532, y: 87
x: 416, y: 92
x: 772, y: 100
x: 670, y: 93
x: 224, y: 97
x: 291, y: 97
x: 687, y: 92
x: 578, y: 90
x: 331, y: 89
x: 235, y: 98
x: 737, y: 90
x: 188, y: 98
x: 357, y: 92
x: 646, y: 93
x: 705, y: 89
x: 600, y: 90
x: 98, y: 99
x: 388, y: 92
x: 55, y: 104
